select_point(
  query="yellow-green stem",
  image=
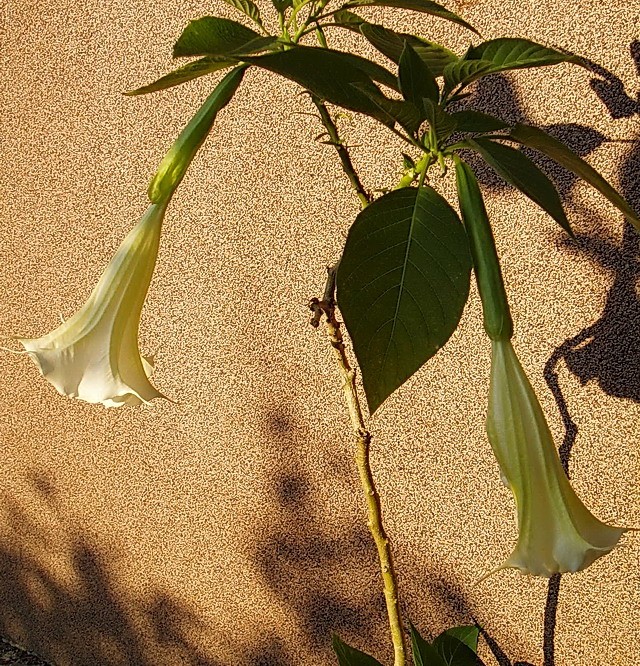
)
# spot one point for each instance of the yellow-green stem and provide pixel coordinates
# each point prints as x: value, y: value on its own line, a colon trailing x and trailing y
x: 363, y: 441
x: 326, y: 306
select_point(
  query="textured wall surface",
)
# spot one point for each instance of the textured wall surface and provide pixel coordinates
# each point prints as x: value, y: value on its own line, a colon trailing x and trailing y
x: 229, y: 528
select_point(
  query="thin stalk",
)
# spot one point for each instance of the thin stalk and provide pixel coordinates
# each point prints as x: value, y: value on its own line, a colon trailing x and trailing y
x: 326, y: 307
x: 343, y: 153
x: 363, y: 441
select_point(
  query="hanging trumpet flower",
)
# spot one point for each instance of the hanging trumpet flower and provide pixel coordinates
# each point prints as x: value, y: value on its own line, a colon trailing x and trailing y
x: 94, y: 355
x: 557, y: 533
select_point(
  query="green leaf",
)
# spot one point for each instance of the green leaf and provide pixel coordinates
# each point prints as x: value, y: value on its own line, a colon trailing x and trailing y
x: 423, y: 653
x: 443, y: 123
x: 185, y: 73
x: 464, y: 72
x: 424, y: 6
x: 348, y: 19
x: 373, y: 69
x: 537, y: 139
x: 348, y: 656
x: 402, y: 284
x: 517, y: 169
x: 500, y: 55
x: 468, y: 634
x: 391, y: 44
x: 178, y: 158
x: 406, y: 114
x: 513, y: 53
x: 474, y: 121
x: 249, y: 8
x: 214, y: 36
x: 415, y: 79
x: 282, y: 5
x: 326, y: 73
x: 453, y: 651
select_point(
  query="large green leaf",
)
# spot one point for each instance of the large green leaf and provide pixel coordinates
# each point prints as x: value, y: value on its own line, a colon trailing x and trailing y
x: 185, y: 73
x: 215, y: 36
x: 326, y: 73
x: 415, y: 79
x: 424, y: 654
x: 402, y: 284
x: 424, y: 6
x: 517, y: 169
x: 391, y: 44
x: 464, y: 72
x: 500, y: 55
x: 556, y: 150
x: 348, y: 656
x: 247, y: 7
x: 178, y: 158
x: 372, y: 69
x: 474, y: 121
x: 514, y: 53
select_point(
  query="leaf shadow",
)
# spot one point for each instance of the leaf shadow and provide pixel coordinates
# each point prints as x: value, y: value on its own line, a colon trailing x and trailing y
x: 61, y: 598
x: 298, y: 545
x: 607, y: 350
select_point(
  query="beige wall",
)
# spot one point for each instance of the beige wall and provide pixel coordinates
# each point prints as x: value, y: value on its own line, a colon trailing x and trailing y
x: 228, y: 528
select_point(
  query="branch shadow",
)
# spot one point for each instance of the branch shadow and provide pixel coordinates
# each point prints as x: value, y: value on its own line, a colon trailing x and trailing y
x: 61, y: 600
x: 607, y: 350
x: 297, y: 545
x: 497, y: 95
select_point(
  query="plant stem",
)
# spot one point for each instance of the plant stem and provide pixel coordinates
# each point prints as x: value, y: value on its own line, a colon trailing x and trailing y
x: 343, y: 153
x: 363, y: 441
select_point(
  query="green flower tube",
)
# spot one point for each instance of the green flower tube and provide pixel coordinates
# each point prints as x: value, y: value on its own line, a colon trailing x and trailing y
x: 175, y: 163
x: 557, y: 533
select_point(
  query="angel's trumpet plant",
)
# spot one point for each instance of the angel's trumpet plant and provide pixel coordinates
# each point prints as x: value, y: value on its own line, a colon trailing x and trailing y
x: 557, y: 533
x: 93, y: 355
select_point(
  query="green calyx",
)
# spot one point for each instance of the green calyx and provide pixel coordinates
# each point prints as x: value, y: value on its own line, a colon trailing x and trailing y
x: 495, y: 307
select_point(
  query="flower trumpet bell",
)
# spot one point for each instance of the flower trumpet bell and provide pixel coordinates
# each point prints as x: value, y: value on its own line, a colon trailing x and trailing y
x: 94, y: 355
x: 557, y: 533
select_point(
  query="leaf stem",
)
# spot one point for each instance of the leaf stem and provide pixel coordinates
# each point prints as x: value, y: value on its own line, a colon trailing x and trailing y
x: 363, y: 442
x: 343, y: 153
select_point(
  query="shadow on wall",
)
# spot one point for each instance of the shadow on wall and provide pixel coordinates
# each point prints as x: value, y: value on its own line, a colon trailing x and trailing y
x: 297, y: 547
x: 74, y: 613
x: 75, y: 616
x: 88, y: 621
x: 606, y: 351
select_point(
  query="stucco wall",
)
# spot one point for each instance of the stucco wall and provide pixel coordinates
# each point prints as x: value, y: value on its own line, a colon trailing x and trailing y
x: 229, y: 528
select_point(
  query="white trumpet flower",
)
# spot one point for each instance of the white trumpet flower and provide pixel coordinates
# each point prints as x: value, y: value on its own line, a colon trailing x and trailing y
x: 94, y: 355
x: 557, y: 533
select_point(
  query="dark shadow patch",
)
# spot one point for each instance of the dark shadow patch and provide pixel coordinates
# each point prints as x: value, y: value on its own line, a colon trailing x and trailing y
x: 297, y: 547
x: 76, y: 614
x: 606, y: 351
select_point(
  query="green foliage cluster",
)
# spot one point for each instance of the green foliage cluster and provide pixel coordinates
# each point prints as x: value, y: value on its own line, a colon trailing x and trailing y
x: 404, y: 275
